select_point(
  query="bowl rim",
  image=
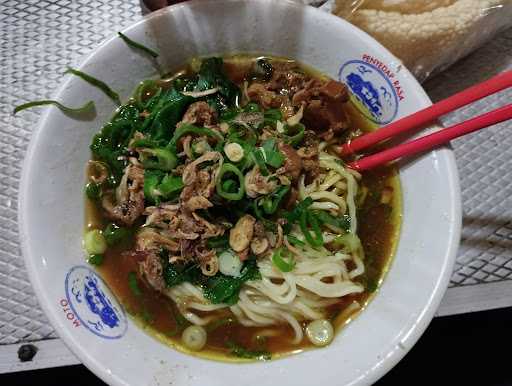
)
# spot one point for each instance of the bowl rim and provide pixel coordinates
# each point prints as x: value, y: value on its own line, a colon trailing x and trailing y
x: 446, y: 152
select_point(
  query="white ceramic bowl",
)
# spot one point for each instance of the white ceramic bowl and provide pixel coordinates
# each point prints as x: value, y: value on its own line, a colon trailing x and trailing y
x: 52, y: 207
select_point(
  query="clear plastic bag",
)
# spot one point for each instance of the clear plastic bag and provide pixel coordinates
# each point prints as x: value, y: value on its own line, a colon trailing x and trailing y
x: 428, y: 35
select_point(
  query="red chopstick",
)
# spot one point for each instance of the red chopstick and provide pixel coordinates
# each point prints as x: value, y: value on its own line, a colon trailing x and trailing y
x: 429, y: 114
x: 433, y: 140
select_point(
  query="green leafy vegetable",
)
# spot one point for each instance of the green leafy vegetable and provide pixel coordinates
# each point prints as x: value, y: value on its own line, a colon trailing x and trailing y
x: 96, y: 83
x: 262, y: 70
x: 166, y: 111
x: 271, y: 116
x: 211, y: 75
x: 307, y: 218
x: 89, y: 106
x: 96, y: 259
x: 93, y: 191
x: 115, y: 234
x: 273, y: 157
x: 241, y: 352
x: 219, y: 242
x: 138, y: 46
x: 293, y: 216
x: 339, y: 222
x: 259, y: 159
x: 271, y: 202
x: 158, y: 158
x: 224, y: 289
x: 170, y: 185
x: 133, y: 284
x: 111, y: 142
x: 294, y: 134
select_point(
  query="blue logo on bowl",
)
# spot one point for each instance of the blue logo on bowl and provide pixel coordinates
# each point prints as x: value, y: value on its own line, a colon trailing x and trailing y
x: 93, y: 303
x: 372, y: 88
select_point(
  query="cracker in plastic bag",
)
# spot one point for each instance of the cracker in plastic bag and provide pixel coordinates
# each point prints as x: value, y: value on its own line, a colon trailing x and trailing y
x: 428, y: 35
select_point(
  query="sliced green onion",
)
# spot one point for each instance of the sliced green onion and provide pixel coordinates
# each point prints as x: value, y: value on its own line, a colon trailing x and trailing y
x: 339, y: 222
x: 307, y: 218
x: 133, y: 284
x: 96, y: 259
x: 194, y: 337
x: 295, y: 241
x: 229, y: 263
x: 296, y: 138
x: 230, y: 168
x: 114, y: 234
x: 294, y: 215
x: 96, y: 83
x: 94, y: 242
x: 138, y: 46
x: 159, y: 158
x: 93, y: 191
x: 271, y: 203
x: 191, y: 129
x: 349, y: 240
x: 146, y: 88
x: 271, y: 116
x: 89, y: 106
x: 259, y: 159
x: 279, y: 261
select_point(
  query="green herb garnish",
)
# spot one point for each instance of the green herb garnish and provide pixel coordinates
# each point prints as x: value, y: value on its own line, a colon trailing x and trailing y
x: 89, y: 106
x: 138, y: 46
x: 133, y: 284
x: 96, y: 83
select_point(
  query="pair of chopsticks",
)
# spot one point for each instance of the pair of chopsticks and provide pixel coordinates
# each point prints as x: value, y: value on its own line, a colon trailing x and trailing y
x: 428, y: 115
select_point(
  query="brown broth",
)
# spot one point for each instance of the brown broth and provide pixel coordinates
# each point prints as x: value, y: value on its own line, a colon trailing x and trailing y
x: 379, y: 226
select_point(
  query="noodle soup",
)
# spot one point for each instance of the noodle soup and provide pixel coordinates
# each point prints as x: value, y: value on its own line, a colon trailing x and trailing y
x: 221, y: 216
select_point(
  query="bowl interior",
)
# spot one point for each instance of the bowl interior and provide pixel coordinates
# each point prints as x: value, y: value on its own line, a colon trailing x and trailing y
x: 52, y: 204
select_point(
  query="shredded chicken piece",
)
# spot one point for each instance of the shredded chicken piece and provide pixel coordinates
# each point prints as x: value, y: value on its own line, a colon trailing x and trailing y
x: 151, y: 269
x: 128, y: 204
x: 200, y: 114
x: 256, y: 183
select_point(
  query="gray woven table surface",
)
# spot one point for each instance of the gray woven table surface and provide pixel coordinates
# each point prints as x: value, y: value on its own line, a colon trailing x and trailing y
x: 38, y: 39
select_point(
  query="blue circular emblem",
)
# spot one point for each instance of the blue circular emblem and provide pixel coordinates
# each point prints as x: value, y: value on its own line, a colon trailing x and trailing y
x: 372, y: 88
x: 93, y: 303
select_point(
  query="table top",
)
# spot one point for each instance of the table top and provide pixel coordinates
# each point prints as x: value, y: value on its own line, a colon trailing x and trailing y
x: 39, y: 38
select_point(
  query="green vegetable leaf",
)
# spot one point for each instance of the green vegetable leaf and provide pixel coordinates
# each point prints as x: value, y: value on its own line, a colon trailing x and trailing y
x: 241, y: 352
x: 325, y: 218
x: 170, y: 185
x: 219, y: 243
x: 115, y: 234
x: 152, y: 179
x: 224, y: 289
x: 96, y: 259
x: 211, y: 75
x: 96, y: 83
x: 93, y: 191
x: 166, y: 111
x: 175, y: 274
x: 138, y: 46
x: 89, y: 106
x: 133, y: 284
